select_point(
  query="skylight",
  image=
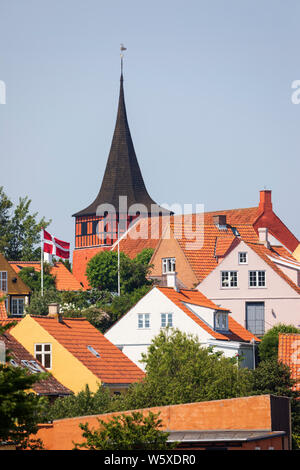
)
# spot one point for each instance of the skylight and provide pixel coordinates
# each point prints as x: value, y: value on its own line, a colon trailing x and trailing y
x: 93, y: 351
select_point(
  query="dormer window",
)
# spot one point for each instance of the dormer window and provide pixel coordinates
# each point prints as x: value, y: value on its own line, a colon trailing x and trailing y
x: 221, y: 321
x: 168, y: 265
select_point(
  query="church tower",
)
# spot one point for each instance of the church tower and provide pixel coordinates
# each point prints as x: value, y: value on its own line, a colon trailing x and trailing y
x: 97, y: 229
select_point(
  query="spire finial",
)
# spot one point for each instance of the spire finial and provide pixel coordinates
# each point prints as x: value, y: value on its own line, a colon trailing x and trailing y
x: 122, y: 48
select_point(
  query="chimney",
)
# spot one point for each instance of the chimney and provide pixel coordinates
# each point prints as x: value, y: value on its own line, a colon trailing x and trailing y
x: 53, y: 312
x: 263, y: 236
x: 265, y: 202
x: 172, y: 280
x: 220, y: 220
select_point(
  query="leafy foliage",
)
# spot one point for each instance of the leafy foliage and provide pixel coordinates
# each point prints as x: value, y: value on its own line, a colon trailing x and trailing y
x: 20, y: 410
x: 268, y: 347
x: 32, y: 278
x: 102, y: 272
x: 126, y: 432
x: 180, y: 370
x: 20, y: 230
x: 82, y: 404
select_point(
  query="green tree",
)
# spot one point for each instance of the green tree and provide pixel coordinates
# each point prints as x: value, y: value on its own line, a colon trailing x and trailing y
x: 126, y: 432
x: 32, y: 278
x: 19, y: 229
x: 180, y: 370
x: 268, y: 347
x: 102, y: 272
x: 274, y: 378
x: 39, y: 304
x: 20, y: 409
x: 5, y: 206
x: 83, y: 403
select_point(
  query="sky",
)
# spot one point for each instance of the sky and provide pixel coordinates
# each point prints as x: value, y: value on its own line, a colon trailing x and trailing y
x: 208, y: 90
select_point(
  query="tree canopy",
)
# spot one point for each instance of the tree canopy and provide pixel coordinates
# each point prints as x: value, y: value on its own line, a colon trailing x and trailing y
x: 268, y: 347
x: 132, y: 431
x: 19, y: 229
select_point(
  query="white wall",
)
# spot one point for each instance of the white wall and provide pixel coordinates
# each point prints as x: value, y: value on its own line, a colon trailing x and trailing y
x: 282, y: 302
x: 134, y: 341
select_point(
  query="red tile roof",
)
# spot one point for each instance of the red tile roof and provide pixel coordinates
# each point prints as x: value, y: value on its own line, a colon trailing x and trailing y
x: 113, y: 367
x: 64, y: 279
x: 18, y: 353
x: 289, y: 354
x: 236, y: 331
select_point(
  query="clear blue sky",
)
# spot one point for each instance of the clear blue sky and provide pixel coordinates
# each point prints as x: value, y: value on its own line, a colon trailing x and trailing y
x: 207, y: 89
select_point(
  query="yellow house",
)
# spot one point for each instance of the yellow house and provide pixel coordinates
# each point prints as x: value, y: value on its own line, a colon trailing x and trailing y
x: 76, y: 353
x: 16, y: 291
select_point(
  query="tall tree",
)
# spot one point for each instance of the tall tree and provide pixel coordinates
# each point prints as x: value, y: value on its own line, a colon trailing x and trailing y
x: 19, y: 229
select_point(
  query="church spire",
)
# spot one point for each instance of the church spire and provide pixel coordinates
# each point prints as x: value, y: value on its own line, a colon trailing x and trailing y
x: 122, y: 175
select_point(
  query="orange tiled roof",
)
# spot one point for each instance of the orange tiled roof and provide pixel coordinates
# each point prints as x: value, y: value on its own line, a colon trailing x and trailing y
x: 289, y: 354
x: 76, y: 334
x: 18, y: 353
x: 236, y: 331
x: 64, y: 279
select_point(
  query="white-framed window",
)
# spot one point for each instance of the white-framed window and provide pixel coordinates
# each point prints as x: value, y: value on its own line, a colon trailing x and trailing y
x: 143, y: 320
x: 166, y: 320
x: 168, y: 265
x: 257, y: 278
x: 229, y: 278
x: 43, y: 353
x: 221, y: 321
x: 17, y: 306
x: 243, y: 257
x: 3, y: 281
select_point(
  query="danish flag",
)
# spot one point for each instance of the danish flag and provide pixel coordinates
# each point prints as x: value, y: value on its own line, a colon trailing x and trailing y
x: 54, y: 246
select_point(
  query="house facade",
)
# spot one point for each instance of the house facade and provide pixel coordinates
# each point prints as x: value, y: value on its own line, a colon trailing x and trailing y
x: 250, y: 282
x: 16, y: 292
x: 190, y: 312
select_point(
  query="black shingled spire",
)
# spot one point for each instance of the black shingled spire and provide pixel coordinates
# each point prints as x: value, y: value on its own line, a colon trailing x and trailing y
x: 122, y: 175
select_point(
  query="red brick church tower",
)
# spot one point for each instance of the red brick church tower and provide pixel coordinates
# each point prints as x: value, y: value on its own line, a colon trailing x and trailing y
x: 100, y: 224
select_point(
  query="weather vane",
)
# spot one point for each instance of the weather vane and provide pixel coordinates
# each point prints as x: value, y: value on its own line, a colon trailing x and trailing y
x: 122, y: 48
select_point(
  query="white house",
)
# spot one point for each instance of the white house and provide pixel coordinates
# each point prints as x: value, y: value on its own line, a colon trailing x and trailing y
x: 190, y: 312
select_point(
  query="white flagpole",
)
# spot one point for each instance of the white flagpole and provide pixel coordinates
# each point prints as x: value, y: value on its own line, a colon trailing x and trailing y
x: 118, y: 222
x: 42, y: 263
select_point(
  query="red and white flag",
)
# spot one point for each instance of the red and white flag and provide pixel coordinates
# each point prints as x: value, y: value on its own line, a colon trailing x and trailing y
x: 54, y: 246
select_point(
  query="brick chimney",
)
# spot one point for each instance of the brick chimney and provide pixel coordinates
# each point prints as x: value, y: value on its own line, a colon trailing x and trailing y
x: 172, y: 280
x: 265, y: 202
x: 220, y: 220
x: 264, y: 236
x: 53, y: 312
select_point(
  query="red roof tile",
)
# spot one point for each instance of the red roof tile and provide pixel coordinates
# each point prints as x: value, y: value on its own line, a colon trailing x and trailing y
x: 289, y: 354
x: 236, y: 331
x: 77, y: 334
x: 64, y: 279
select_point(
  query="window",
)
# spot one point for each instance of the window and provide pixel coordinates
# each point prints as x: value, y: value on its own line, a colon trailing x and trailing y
x: 168, y: 265
x: 3, y: 281
x: 93, y: 351
x: 43, y: 353
x: 143, y: 320
x: 84, y: 228
x: 166, y: 319
x: 255, y: 317
x: 243, y: 257
x: 257, y: 278
x: 229, y: 278
x: 17, y: 306
x: 221, y: 321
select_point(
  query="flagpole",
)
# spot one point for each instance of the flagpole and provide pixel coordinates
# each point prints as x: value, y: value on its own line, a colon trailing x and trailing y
x: 118, y: 222
x: 42, y: 264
